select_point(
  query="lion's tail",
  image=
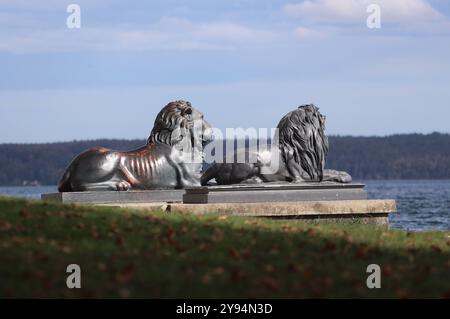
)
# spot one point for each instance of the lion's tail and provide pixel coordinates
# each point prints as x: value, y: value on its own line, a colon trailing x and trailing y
x: 64, y: 184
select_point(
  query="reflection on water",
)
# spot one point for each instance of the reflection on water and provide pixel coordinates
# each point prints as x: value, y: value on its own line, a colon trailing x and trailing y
x: 421, y: 204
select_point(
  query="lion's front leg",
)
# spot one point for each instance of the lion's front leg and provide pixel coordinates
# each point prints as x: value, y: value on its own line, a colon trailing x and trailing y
x: 189, y: 178
x: 296, y: 173
x: 186, y: 173
x: 336, y: 176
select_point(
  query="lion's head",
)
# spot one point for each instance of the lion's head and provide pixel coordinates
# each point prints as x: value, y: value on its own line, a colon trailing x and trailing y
x: 302, y: 138
x: 179, y: 123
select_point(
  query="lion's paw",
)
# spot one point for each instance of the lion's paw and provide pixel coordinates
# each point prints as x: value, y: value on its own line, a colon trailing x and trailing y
x: 123, y: 186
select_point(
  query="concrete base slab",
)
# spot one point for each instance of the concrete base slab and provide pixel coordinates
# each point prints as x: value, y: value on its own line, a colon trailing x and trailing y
x: 102, y: 197
x: 326, y: 201
x: 362, y: 211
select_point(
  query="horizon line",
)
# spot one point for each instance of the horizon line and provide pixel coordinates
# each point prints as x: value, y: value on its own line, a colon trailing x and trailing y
x: 138, y: 139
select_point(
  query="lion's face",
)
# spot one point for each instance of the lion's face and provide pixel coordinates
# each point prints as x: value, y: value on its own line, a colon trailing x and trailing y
x: 179, y: 122
x: 202, y: 128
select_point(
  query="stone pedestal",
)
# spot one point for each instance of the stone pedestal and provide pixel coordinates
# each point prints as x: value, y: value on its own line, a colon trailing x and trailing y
x: 358, y: 211
x: 274, y: 193
x: 239, y: 193
x: 324, y: 201
x: 108, y: 197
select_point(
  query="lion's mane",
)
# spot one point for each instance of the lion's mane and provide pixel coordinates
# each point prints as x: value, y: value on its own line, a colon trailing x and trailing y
x: 172, y: 124
x: 302, y: 138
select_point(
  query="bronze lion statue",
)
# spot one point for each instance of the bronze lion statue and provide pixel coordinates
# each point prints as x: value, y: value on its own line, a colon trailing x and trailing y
x: 172, y: 157
x: 297, y: 154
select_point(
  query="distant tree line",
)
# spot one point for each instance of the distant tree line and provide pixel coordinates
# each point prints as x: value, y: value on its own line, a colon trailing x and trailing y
x: 406, y: 156
x: 45, y: 163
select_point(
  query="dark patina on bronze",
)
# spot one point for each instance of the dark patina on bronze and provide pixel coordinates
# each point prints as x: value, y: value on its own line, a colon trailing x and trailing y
x: 172, y: 157
x: 299, y: 150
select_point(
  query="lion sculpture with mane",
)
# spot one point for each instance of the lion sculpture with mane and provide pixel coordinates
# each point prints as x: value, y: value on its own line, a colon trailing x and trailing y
x: 297, y: 154
x: 172, y: 157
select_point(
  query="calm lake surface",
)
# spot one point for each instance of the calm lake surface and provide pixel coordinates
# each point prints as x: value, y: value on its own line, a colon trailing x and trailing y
x: 421, y: 204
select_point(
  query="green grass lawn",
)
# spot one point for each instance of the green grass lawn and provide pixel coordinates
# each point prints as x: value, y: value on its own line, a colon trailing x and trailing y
x: 132, y: 253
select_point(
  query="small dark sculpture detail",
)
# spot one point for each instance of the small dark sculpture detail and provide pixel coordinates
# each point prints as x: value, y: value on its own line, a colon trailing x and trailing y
x: 299, y: 152
x: 167, y: 161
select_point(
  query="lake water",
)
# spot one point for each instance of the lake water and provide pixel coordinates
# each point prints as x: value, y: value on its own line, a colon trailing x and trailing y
x: 421, y: 204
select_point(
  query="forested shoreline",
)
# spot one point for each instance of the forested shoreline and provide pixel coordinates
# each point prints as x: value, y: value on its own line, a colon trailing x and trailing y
x: 403, y: 156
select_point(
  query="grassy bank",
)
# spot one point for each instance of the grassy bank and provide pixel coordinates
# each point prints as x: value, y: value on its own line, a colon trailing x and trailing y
x: 131, y: 253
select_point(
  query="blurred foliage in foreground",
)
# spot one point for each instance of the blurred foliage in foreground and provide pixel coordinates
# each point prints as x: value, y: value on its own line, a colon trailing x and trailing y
x: 132, y: 253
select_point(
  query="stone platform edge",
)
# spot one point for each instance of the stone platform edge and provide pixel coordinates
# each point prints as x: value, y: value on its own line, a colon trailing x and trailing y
x: 238, y: 193
x: 365, y: 211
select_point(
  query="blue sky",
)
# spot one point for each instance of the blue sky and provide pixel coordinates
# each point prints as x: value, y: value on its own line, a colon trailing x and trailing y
x: 242, y: 63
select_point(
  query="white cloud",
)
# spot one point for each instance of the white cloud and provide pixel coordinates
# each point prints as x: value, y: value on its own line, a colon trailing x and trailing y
x: 167, y: 33
x: 64, y: 110
x: 306, y: 33
x: 52, y: 5
x: 354, y: 11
